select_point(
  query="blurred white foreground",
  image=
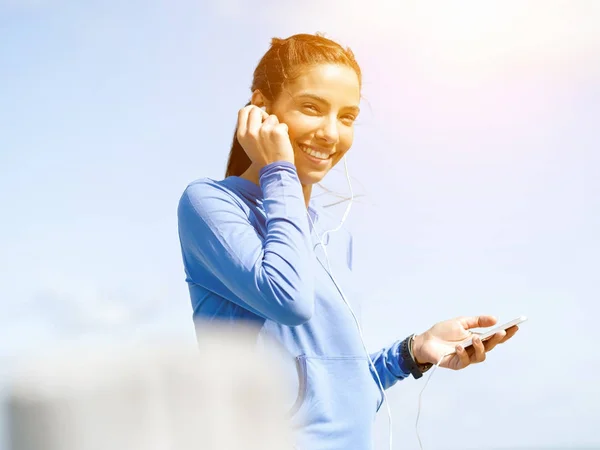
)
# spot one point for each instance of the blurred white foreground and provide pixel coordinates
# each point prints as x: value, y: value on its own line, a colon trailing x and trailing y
x: 222, y: 395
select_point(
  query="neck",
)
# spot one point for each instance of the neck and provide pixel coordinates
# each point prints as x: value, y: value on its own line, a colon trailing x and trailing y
x: 251, y: 174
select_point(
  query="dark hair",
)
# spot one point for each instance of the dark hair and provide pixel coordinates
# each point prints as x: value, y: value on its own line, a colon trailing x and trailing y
x: 283, y: 62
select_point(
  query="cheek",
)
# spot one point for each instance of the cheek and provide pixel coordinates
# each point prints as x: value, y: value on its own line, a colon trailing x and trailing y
x: 346, y: 139
x: 343, y: 148
x: 298, y: 125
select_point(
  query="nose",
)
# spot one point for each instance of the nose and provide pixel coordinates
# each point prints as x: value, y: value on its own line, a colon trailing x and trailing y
x: 329, y: 131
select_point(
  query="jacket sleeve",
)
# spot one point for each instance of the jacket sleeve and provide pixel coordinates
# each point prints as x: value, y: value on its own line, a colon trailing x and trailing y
x: 271, y: 275
x: 389, y: 365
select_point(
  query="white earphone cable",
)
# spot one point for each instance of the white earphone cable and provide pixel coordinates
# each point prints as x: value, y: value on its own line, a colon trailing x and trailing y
x: 330, y: 273
x: 420, y: 395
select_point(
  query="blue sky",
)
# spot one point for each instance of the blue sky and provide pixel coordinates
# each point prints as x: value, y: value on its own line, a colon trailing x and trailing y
x: 476, y: 155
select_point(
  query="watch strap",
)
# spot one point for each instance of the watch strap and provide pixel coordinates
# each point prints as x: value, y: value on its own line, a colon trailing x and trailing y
x: 409, y: 364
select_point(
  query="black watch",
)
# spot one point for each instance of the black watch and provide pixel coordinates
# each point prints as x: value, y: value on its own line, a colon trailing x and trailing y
x: 409, y: 364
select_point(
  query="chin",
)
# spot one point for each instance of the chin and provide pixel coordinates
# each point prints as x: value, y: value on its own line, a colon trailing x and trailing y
x: 310, y: 178
x: 310, y: 174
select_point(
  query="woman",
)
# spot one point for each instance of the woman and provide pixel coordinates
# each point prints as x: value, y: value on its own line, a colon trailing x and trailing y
x: 248, y: 247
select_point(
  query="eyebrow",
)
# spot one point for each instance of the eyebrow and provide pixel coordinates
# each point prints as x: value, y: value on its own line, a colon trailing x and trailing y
x: 322, y: 100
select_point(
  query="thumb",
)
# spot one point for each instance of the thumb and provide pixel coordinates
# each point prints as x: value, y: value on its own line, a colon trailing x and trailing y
x: 477, y: 322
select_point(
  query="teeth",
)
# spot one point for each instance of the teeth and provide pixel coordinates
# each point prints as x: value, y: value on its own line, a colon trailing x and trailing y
x: 314, y: 153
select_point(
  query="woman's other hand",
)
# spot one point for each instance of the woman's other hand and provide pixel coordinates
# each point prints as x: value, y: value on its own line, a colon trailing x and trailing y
x: 443, y: 339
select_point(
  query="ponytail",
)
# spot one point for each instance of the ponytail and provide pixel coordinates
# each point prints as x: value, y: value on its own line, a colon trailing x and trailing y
x: 238, y: 161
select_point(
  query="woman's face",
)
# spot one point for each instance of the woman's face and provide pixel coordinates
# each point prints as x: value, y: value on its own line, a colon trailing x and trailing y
x: 319, y: 107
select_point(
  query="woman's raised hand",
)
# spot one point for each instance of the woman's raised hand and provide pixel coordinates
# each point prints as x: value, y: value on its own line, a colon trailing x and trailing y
x: 263, y: 137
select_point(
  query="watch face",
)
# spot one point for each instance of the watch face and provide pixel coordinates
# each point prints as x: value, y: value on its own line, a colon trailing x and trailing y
x: 425, y: 367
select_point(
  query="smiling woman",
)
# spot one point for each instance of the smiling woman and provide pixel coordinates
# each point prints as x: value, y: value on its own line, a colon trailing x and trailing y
x: 249, y: 249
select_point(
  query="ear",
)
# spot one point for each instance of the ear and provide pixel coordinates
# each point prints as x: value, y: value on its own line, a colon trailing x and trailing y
x: 258, y: 99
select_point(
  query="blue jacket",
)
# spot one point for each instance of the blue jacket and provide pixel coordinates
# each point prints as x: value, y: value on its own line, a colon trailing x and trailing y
x: 249, y: 255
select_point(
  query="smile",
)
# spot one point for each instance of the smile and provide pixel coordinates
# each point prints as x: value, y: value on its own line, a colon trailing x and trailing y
x: 314, y: 153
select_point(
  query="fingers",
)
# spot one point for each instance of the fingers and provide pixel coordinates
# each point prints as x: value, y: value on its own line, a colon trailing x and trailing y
x: 282, y: 128
x: 475, y: 353
x: 478, y: 351
x: 463, y: 356
x: 262, y: 137
x: 500, y: 337
x: 272, y: 128
x: 477, y: 321
x: 281, y: 134
x: 255, y: 120
x: 271, y: 122
x: 510, y: 332
x: 250, y: 119
x: 242, y: 122
x: 494, y: 340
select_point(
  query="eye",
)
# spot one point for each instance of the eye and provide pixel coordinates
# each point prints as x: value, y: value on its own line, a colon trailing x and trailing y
x: 348, y: 118
x: 310, y: 107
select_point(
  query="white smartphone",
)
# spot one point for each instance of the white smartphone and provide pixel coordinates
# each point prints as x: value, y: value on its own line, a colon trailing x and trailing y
x: 491, y: 331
